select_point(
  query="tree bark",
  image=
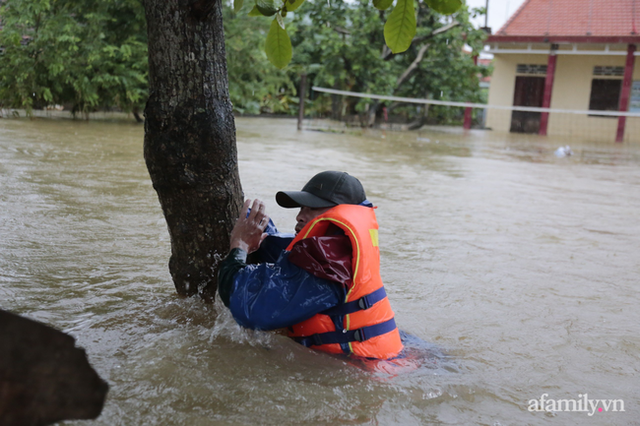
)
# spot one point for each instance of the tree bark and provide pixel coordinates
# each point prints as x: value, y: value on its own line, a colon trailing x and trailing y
x: 371, y: 113
x: 336, y: 104
x: 190, y: 142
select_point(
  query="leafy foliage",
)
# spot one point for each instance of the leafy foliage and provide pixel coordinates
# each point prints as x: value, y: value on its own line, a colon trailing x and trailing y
x: 92, y: 55
x: 345, y: 38
x: 398, y: 31
x: 255, y: 86
x: 79, y: 52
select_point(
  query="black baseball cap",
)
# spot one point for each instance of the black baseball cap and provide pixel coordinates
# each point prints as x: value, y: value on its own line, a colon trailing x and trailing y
x: 326, y: 189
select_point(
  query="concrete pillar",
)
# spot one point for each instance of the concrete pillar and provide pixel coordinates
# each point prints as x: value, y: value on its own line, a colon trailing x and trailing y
x: 467, y: 118
x: 548, y: 89
x: 626, y: 91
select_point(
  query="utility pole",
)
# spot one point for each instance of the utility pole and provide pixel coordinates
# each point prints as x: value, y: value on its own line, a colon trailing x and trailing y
x: 486, y: 14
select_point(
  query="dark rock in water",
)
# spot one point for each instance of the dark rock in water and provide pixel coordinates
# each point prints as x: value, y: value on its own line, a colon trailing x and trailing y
x: 44, y: 378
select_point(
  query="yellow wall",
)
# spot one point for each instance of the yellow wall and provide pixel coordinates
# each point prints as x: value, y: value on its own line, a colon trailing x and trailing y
x: 571, y: 90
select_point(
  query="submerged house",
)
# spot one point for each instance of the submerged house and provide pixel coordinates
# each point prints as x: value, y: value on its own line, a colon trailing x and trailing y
x: 571, y: 55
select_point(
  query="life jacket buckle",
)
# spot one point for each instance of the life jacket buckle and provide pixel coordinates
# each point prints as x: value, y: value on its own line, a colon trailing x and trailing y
x: 316, y: 340
x: 363, y: 303
x: 358, y: 335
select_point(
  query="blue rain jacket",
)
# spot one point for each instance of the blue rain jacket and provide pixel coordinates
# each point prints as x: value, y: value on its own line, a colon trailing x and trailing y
x: 274, y: 293
x: 269, y: 296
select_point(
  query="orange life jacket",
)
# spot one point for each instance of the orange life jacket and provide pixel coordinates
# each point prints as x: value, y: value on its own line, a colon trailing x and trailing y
x: 365, y: 320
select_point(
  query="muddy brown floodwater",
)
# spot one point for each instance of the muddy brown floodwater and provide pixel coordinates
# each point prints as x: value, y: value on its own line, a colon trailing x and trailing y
x: 523, y: 267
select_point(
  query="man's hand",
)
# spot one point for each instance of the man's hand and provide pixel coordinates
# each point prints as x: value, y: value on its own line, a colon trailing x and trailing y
x: 247, y: 234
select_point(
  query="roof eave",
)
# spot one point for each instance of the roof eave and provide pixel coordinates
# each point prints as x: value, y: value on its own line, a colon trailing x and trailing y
x: 503, y: 38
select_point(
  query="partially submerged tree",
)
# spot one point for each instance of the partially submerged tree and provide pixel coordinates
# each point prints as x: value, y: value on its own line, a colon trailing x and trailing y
x: 190, y: 141
x: 91, y: 54
x: 189, y: 146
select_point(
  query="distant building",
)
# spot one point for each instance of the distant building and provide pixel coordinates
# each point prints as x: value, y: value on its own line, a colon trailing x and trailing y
x: 568, y: 54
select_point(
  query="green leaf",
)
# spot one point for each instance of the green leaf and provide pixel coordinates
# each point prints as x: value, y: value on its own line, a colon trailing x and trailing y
x: 278, y: 46
x: 280, y: 20
x: 446, y: 7
x: 382, y: 4
x: 294, y: 4
x: 266, y: 7
x: 401, y: 26
x: 237, y: 5
x: 254, y: 12
x: 46, y: 94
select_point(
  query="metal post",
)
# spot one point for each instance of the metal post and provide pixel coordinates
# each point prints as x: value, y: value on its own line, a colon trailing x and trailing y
x: 301, y: 96
x: 626, y: 91
x: 548, y: 89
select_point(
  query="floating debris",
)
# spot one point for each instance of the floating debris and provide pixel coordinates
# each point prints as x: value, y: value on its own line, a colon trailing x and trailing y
x: 564, y: 151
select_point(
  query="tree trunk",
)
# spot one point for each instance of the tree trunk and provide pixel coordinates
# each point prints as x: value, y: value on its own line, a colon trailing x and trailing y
x: 336, y: 104
x: 421, y: 120
x: 371, y: 113
x: 190, y: 142
x: 136, y: 115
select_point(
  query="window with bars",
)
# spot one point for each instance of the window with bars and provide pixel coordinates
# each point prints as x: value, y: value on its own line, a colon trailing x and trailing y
x: 531, y: 69
x: 605, y: 94
x: 608, y: 71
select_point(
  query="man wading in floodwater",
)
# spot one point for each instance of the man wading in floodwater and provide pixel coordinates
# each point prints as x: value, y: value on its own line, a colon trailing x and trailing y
x: 325, y: 287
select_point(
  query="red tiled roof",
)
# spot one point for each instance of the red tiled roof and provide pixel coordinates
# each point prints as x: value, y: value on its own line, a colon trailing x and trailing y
x: 595, y: 19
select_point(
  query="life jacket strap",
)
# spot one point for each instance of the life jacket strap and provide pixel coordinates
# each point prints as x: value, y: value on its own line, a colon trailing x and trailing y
x: 347, y: 336
x: 365, y: 302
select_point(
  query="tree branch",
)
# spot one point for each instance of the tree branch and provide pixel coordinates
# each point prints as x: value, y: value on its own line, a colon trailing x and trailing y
x: 411, y: 67
x: 387, y: 54
x: 341, y: 30
x: 440, y: 30
x: 373, y: 109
